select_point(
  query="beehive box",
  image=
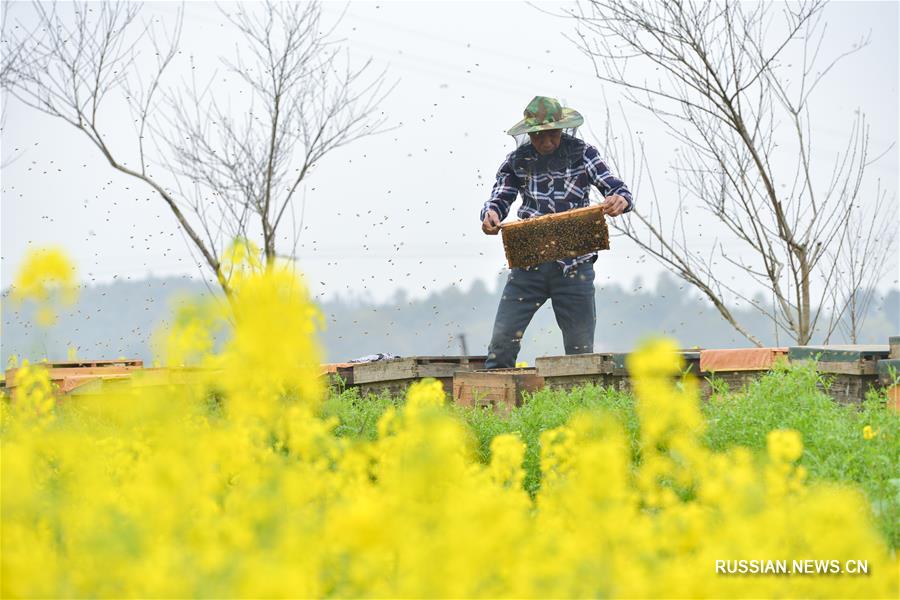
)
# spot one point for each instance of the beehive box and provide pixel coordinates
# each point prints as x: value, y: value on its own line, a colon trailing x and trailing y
x: 562, y: 235
x: 395, y: 376
x: 893, y: 397
x: 568, y: 371
x: 112, y: 378
x: 197, y: 380
x: 601, y: 369
x: 70, y: 375
x: 851, y: 369
x: 894, y: 343
x: 888, y: 372
x: 338, y: 375
x: 498, y: 389
x: 618, y: 373
x: 740, y: 366
x: 692, y: 362
x: 888, y: 369
x: 620, y: 379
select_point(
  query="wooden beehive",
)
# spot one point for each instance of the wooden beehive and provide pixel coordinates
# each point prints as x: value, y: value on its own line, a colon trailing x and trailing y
x: 568, y: 234
x: 740, y: 366
x: 568, y: 371
x: 842, y: 359
x: 692, y: 362
x: 71, y: 375
x: 887, y: 370
x: 338, y: 375
x: 888, y: 374
x: 893, y: 397
x: 395, y: 376
x: 159, y: 379
x: 852, y: 370
x: 498, y: 389
x: 894, y: 343
x: 602, y: 369
x: 618, y: 373
x: 621, y: 378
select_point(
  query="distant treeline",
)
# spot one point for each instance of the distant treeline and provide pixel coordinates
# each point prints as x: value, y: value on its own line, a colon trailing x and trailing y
x: 118, y: 320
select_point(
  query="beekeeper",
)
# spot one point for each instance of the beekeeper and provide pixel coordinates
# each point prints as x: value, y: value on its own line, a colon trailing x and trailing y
x: 553, y: 172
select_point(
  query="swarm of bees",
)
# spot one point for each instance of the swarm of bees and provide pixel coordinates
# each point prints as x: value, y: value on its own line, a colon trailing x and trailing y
x: 562, y: 235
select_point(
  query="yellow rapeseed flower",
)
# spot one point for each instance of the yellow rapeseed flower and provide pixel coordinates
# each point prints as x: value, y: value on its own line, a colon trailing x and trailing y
x: 32, y: 397
x: 507, y: 454
x: 48, y: 278
x: 784, y: 445
x: 219, y: 478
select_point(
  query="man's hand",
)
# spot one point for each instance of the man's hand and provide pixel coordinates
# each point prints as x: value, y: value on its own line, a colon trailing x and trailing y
x: 491, y: 223
x: 614, y: 205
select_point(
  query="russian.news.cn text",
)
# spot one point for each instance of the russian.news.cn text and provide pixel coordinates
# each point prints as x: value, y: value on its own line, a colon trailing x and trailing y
x: 792, y: 567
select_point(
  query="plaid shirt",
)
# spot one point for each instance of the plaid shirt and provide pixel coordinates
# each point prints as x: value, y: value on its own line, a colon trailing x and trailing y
x: 554, y: 183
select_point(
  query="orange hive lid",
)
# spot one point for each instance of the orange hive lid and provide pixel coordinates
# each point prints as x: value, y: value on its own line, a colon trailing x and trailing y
x: 740, y: 359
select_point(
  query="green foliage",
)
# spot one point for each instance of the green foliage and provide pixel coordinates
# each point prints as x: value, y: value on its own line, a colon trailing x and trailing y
x: 835, y: 446
x: 357, y: 416
x: 544, y: 410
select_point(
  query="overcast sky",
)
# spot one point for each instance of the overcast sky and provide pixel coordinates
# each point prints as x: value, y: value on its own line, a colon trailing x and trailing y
x: 399, y: 209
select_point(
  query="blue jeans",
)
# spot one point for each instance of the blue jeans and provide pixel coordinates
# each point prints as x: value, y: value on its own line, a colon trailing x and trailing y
x: 572, y: 297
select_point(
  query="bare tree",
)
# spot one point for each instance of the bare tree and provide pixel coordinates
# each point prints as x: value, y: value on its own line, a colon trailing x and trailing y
x: 224, y: 172
x: 862, y: 259
x: 10, y: 52
x: 741, y: 114
x: 13, y: 54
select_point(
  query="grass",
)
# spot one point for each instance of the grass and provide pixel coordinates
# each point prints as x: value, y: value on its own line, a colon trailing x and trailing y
x: 834, y: 445
x: 835, y: 448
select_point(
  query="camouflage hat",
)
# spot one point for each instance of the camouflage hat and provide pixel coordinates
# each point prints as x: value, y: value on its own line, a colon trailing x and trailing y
x: 546, y: 113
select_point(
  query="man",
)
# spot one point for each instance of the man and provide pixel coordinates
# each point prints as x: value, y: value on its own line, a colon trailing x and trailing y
x: 554, y: 173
